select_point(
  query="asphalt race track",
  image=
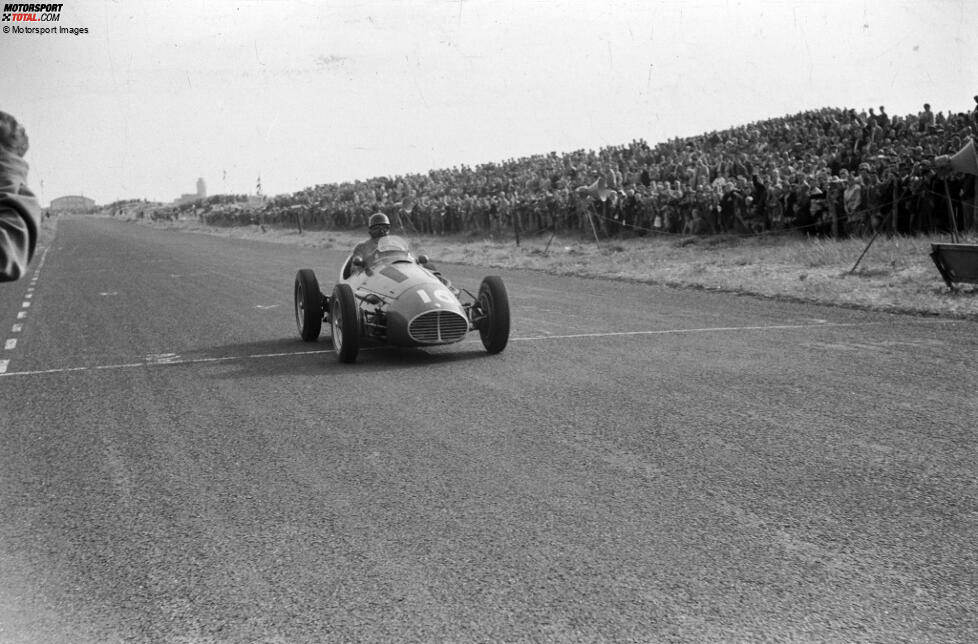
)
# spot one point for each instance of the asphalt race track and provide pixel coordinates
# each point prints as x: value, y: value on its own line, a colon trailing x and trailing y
x: 640, y: 463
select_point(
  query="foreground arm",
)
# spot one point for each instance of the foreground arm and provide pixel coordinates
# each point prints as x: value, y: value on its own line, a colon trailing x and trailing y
x: 20, y: 213
x: 19, y: 220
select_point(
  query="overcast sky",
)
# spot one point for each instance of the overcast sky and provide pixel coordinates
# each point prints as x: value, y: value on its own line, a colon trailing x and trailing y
x: 157, y: 94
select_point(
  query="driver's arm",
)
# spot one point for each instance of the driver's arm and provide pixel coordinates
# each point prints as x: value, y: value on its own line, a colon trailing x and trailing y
x: 362, y: 249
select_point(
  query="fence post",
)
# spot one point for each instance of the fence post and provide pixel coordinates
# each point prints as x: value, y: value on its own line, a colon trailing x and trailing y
x: 950, y: 212
x: 516, y: 224
x: 895, y: 206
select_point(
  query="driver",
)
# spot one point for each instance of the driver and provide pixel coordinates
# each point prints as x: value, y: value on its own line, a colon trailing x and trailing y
x: 379, y: 226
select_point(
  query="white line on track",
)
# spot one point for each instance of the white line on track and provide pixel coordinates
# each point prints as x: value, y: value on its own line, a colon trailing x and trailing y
x: 11, y: 343
x: 715, y: 329
x: 153, y: 361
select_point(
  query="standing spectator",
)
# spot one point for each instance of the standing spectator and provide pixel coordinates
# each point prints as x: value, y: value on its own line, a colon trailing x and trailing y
x: 818, y: 200
x: 742, y: 206
x: 872, y: 190
x: 968, y: 202
x: 920, y: 200
x: 646, y: 178
x: 775, y: 205
x: 702, y: 176
x: 834, y: 206
x: 728, y: 206
x: 759, y: 206
x: 629, y: 210
x: 955, y: 186
x: 927, y: 119
x: 801, y: 208
x: 740, y: 167
x: 883, y: 118
x: 20, y: 212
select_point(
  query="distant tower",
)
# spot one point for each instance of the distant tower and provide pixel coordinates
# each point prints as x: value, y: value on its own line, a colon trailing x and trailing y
x: 201, y: 188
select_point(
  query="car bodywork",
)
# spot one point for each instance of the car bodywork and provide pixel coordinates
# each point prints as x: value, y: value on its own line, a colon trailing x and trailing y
x: 393, y: 296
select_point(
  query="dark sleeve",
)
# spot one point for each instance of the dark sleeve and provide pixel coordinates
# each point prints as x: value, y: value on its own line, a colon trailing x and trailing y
x: 19, y: 219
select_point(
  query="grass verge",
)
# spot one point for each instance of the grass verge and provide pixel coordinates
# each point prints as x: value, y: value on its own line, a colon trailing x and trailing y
x: 896, y: 274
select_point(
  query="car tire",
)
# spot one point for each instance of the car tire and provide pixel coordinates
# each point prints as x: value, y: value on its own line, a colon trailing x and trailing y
x: 308, y: 305
x: 494, y: 303
x: 344, y: 321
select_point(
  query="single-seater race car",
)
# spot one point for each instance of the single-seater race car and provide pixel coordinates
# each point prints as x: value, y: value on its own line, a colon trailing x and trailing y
x: 395, y: 297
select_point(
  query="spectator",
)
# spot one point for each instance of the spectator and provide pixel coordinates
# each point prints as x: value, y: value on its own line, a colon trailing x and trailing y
x: 852, y: 199
x: 19, y: 210
x: 793, y: 157
x: 883, y: 119
x: 759, y: 206
x: 927, y: 119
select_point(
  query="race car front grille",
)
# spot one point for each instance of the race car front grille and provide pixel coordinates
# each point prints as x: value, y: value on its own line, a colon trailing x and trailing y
x: 438, y: 327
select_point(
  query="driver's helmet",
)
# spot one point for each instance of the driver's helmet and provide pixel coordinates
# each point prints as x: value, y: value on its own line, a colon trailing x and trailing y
x: 379, y: 225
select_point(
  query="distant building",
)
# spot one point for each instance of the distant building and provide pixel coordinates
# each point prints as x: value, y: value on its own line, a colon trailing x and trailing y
x: 190, y: 198
x: 71, y: 203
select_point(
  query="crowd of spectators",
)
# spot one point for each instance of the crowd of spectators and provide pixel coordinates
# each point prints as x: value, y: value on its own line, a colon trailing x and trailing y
x: 829, y: 171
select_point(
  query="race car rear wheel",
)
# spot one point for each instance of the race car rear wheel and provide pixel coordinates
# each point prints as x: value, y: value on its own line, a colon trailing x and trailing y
x: 494, y: 304
x: 345, y: 323
x: 308, y: 305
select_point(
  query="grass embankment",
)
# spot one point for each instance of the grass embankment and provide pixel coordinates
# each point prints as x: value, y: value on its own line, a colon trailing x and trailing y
x: 896, y: 274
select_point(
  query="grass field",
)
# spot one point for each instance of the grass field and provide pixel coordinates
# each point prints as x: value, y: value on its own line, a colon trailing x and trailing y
x: 895, y: 274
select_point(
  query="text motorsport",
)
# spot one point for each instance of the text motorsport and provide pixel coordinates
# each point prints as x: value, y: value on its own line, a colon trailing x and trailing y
x: 28, y: 13
x: 31, y: 12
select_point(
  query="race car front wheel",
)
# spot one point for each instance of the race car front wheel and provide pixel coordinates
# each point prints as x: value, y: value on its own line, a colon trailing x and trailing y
x: 494, y: 305
x: 308, y: 305
x: 345, y: 323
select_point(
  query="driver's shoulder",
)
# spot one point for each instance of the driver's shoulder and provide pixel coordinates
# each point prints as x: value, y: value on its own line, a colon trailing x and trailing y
x: 363, y: 247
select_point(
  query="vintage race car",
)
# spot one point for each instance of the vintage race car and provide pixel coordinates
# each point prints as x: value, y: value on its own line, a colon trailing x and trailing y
x: 395, y: 297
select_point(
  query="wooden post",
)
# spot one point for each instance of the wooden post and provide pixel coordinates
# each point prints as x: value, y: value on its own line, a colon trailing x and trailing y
x: 516, y: 224
x: 950, y: 212
x: 552, y: 235
x: 833, y: 211
x: 594, y: 228
x: 865, y: 250
x: 895, y: 207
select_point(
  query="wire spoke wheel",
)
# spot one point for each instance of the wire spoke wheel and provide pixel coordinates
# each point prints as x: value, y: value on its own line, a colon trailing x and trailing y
x: 344, y: 323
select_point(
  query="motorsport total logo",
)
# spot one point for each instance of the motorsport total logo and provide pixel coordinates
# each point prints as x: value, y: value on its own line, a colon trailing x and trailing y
x: 31, y: 12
